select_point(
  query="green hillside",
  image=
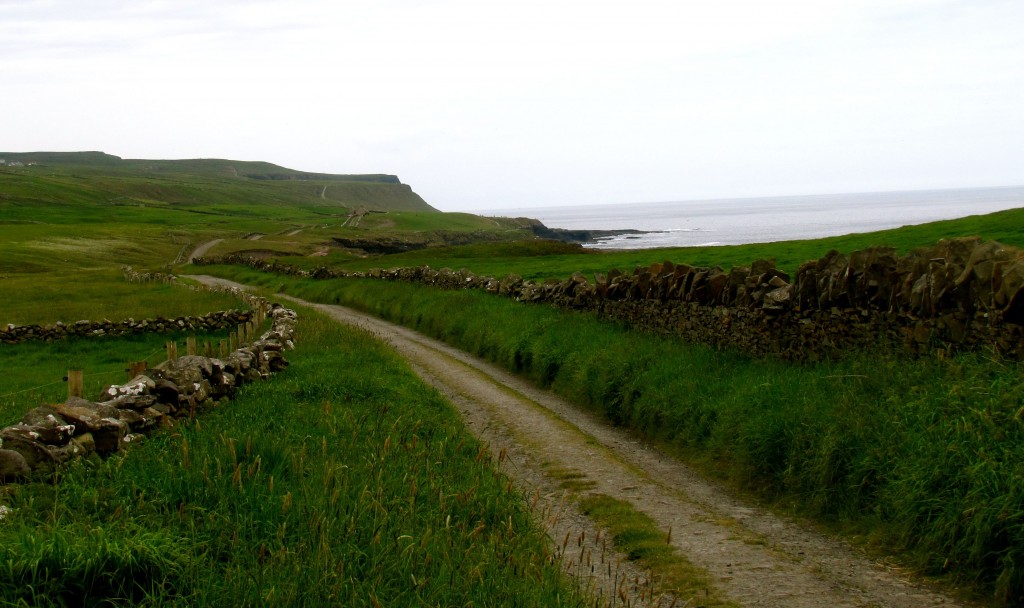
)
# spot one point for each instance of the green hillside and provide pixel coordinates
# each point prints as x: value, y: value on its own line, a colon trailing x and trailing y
x: 76, y: 217
x: 206, y: 185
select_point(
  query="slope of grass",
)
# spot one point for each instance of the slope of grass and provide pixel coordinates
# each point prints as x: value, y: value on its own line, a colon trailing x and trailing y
x: 104, y: 178
x: 344, y: 481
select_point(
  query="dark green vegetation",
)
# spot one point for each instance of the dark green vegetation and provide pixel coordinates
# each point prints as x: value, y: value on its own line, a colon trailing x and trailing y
x: 921, y: 457
x: 341, y: 482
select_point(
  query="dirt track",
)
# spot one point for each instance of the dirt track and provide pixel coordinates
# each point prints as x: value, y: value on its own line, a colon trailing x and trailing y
x: 753, y: 557
x: 201, y: 250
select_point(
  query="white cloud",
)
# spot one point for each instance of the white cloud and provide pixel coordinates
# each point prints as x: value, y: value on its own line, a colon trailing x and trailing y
x: 502, y: 103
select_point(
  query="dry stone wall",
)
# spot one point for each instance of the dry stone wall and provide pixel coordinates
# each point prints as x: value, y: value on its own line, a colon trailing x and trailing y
x: 50, y: 435
x: 16, y: 334
x: 133, y: 276
x: 962, y: 294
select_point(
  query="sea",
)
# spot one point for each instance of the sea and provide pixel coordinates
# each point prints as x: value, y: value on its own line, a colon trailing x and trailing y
x: 736, y: 221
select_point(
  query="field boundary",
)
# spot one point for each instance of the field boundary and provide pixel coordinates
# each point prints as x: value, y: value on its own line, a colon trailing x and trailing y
x: 222, y: 319
x: 960, y: 295
x: 50, y: 435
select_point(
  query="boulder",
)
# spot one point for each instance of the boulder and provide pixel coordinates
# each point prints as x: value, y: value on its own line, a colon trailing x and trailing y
x: 167, y: 392
x: 85, y: 442
x: 85, y: 415
x: 139, y: 402
x: 980, y: 274
x: 153, y: 417
x: 50, y: 433
x: 13, y: 466
x: 132, y: 418
x: 1010, y: 297
x: 43, y: 414
x: 108, y: 435
x: 35, y: 453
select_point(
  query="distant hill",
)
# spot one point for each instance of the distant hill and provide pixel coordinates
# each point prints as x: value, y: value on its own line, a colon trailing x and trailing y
x: 99, y: 177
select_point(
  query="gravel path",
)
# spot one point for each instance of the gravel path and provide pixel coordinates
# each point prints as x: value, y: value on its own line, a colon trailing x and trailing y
x: 753, y: 557
x: 201, y: 250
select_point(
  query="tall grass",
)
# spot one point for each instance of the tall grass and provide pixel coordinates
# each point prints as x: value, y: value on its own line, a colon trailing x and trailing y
x: 343, y: 481
x: 923, y: 457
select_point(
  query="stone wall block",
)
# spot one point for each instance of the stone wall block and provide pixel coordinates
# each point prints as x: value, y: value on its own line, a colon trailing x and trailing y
x: 1010, y: 297
x: 108, y: 435
x: 13, y: 466
x: 717, y: 283
x: 167, y: 392
x: 34, y: 452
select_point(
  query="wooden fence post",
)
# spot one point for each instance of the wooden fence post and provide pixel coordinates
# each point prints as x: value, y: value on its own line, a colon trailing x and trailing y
x: 172, y: 351
x: 208, y: 349
x: 76, y: 383
x: 233, y: 340
x: 190, y: 345
x: 223, y: 349
x: 136, y: 367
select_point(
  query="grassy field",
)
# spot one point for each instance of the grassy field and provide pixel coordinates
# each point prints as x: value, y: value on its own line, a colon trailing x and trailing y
x: 46, y: 299
x: 344, y: 481
x: 918, y: 457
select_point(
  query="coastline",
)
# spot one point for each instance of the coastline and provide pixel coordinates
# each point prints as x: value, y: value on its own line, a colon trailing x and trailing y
x: 740, y: 221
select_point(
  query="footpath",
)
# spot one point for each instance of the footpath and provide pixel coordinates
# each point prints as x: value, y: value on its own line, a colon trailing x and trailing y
x: 751, y: 556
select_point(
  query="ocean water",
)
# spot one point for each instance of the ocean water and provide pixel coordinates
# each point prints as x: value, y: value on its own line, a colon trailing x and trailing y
x: 779, y: 218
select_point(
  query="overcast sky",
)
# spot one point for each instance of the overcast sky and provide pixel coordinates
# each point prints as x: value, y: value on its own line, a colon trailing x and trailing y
x: 485, y: 104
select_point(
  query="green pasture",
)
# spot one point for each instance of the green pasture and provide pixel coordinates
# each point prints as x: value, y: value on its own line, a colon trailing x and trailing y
x: 918, y: 457
x: 344, y: 481
x: 48, y: 297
